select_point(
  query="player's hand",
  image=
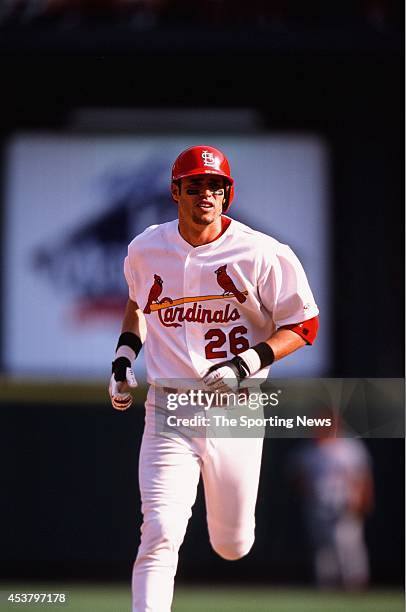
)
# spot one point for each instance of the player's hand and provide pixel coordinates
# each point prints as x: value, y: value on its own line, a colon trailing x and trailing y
x: 226, y: 375
x: 121, y: 382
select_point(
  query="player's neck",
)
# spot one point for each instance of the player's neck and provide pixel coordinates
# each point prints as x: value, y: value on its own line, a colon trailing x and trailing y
x: 197, y: 235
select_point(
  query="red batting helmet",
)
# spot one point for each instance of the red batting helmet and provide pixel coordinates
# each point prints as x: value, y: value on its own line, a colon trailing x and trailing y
x: 204, y: 160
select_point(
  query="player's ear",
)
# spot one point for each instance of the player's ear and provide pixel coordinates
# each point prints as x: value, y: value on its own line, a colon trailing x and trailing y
x: 175, y: 191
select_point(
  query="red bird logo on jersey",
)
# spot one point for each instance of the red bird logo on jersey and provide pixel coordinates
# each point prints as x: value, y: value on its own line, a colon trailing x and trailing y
x: 154, y: 293
x: 226, y: 283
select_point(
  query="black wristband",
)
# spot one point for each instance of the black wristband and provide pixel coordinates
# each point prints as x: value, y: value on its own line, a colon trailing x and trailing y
x: 119, y: 368
x: 265, y: 353
x: 130, y: 339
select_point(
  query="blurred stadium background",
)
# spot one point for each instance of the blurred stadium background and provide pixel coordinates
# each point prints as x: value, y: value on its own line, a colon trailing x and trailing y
x: 98, y: 97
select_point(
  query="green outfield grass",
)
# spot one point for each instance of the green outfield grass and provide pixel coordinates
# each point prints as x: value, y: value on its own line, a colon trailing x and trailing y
x: 50, y: 391
x: 96, y: 598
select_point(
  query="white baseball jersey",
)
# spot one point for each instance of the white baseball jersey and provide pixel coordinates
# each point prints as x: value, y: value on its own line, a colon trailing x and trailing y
x: 206, y: 304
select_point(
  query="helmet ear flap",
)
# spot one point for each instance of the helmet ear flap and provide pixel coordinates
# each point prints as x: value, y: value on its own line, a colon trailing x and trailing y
x: 229, y: 189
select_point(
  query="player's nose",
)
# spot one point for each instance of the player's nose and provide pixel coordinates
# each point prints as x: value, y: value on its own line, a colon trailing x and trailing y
x: 205, y: 190
x: 209, y: 192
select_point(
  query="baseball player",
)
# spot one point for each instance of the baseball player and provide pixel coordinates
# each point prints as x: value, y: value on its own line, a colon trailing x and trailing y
x: 212, y: 300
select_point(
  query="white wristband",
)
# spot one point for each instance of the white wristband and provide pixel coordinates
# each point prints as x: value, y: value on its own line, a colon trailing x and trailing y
x: 125, y: 351
x: 252, y: 359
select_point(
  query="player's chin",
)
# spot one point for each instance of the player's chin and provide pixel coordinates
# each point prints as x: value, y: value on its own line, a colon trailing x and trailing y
x: 204, y: 217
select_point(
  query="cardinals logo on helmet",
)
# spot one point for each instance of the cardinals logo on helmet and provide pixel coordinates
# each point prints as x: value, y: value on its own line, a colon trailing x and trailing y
x: 208, y: 159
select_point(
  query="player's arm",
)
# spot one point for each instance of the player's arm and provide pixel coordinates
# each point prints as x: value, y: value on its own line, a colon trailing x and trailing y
x: 132, y: 337
x: 134, y: 321
x: 283, y: 342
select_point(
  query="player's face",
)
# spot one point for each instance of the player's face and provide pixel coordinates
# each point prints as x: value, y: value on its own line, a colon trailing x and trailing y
x: 201, y: 198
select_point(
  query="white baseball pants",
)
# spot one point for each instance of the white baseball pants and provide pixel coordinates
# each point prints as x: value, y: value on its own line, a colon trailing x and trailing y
x: 169, y: 472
